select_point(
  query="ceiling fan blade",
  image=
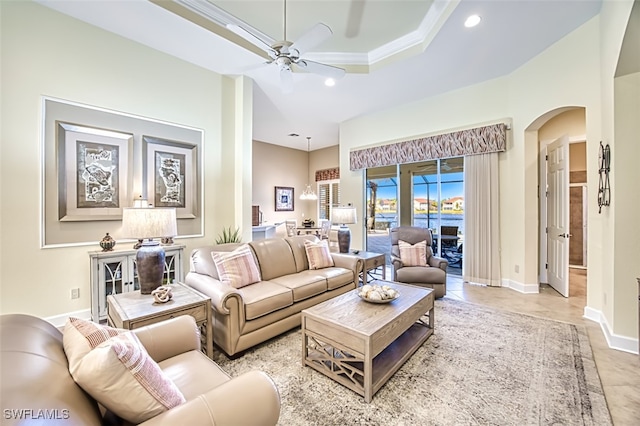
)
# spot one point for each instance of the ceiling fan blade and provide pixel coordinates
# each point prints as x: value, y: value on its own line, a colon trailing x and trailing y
x: 354, y: 18
x: 322, y: 69
x: 250, y: 37
x: 286, y: 80
x: 310, y: 39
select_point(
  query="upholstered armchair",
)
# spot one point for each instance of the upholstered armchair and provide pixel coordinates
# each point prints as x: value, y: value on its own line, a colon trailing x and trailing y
x: 419, y: 267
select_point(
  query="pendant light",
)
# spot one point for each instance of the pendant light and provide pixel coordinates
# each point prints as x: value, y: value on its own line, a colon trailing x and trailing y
x: 308, y: 193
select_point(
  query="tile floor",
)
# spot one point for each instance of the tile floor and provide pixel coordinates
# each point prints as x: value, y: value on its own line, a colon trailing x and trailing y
x: 619, y: 371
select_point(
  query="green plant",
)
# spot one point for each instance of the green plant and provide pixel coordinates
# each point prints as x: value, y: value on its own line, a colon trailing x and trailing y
x: 229, y: 236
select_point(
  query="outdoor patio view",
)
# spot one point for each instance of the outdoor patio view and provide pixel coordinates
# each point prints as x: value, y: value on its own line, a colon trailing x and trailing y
x: 435, y: 194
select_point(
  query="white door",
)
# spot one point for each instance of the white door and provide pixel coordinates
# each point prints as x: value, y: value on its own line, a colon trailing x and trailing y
x: 558, y: 215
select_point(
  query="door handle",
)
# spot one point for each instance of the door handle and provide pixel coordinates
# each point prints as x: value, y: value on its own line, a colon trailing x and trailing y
x: 565, y: 235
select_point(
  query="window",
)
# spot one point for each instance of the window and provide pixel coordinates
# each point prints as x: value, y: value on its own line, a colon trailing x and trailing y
x: 328, y: 197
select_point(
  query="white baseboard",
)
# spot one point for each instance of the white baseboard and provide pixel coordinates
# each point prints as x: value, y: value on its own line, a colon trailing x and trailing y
x: 60, y: 320
x: 521, y: 287
x: 621, y: 343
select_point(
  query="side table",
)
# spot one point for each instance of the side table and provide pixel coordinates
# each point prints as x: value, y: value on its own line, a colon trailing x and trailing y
x: 133, y: 310
x: 372, y: 261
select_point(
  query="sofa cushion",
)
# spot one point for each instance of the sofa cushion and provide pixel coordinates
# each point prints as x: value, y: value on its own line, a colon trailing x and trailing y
x: 420, y: 274
x: 264, y: 297
x: 318, y: 254
x: 304, y: 284
x: 81, y: 336
x: 193, y: 373
x: 201, y: 261
x: 299, y: 253
x: 413, y: 254
x: 120, y: 374
x: 336, y: 277
x: 274, y: 257
x: 237, y: 268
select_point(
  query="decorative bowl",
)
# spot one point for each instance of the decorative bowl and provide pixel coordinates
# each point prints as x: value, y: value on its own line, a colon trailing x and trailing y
x: 377, y: 293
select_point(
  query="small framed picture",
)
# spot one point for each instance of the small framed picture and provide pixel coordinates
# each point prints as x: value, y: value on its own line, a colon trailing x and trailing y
x: 284, y: 199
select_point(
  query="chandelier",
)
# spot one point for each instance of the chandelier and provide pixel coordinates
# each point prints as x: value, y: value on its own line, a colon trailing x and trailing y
x: 308, y: 193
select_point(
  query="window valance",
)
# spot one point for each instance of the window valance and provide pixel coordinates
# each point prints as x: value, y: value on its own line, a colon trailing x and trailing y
x: 328, y: 174
x: 478, y: 140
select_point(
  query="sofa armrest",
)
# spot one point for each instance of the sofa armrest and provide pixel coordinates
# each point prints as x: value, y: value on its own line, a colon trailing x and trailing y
x: 250, y: 399
x: 438, y: 262
x: 216, y: 290
x: 348, y: 262
x: 166, y: 339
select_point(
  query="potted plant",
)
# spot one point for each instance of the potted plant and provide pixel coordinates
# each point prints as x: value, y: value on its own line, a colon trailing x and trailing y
x: 229, y: 236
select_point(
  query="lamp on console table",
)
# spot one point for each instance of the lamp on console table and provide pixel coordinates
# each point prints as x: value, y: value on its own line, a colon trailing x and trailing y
x: 149, y: 223
x: 344, y: 216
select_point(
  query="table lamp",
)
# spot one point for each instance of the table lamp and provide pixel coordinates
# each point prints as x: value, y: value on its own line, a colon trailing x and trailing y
x: 149, y: 223
x: 344, y: 216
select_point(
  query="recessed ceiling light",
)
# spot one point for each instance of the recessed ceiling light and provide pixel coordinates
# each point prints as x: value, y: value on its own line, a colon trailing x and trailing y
x: 330, y: 82
x: 472, y: 21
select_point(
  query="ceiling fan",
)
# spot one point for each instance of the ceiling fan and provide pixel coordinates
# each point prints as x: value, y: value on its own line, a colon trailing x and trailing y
x: 287, y: 55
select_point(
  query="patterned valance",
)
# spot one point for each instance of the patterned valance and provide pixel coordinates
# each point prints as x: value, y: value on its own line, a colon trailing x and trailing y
x: 478, y: 140
x: 328, y: 174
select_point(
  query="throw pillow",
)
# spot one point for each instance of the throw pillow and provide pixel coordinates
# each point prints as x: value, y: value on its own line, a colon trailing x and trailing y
x: 81, y: 336
x: 318, y: 254
x: 120, y: 375
x: 413, y: 254
x: 237, y: 268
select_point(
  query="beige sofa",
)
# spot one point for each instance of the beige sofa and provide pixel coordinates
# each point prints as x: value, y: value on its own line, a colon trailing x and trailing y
x: 253, y: 314
x: 37, y: 388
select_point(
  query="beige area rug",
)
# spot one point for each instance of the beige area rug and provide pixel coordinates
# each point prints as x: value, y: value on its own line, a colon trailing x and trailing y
x: 481, y: 367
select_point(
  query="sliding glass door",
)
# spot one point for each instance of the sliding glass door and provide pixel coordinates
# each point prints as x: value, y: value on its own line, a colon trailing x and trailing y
x: 429, y: 194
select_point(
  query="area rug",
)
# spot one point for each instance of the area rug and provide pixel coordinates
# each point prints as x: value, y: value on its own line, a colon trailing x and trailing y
x: 480, y: 367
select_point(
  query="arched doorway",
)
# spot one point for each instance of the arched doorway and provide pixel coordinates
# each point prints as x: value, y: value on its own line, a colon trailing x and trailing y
x: 570, y: 267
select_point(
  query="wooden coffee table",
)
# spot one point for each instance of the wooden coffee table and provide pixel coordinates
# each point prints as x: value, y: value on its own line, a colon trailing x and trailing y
x: 361, y: 344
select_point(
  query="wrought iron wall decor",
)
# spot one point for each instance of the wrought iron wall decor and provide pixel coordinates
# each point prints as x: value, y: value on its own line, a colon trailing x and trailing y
x: 604, y: 187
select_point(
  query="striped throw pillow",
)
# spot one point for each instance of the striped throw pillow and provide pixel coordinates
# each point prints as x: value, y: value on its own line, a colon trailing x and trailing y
x: 237, y: 268
x: 120, y: 374
x: 318, y: 254
x: 413, y: 254
x: 81, y: 336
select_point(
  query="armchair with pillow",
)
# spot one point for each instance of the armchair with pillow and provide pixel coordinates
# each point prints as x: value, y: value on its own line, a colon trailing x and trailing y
x: 92, y: 375
x: 413, y: 261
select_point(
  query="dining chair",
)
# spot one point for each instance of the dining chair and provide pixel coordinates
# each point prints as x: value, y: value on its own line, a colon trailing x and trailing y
x: 325, y: 229
x: 292, y: 226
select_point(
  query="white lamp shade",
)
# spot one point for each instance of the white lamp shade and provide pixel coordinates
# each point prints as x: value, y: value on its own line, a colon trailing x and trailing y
x: 149, y: 222
x: 344, y: 215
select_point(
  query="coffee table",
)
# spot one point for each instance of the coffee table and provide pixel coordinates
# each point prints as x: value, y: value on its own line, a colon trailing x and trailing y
x: 361, y: 344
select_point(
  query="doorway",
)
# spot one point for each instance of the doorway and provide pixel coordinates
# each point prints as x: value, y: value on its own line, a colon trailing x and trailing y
x: 570, y: 122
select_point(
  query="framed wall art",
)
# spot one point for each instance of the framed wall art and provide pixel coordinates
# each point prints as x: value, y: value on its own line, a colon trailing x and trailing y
x: 94, y: 182
x: 96, y: 161
x: 171, y: 173
x: 284, y: 199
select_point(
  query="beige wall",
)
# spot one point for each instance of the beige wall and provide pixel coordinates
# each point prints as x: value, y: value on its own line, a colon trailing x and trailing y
x: 45, y: 53
x: 275, y: 165
x: 528, y: 98
x: 578, y: 157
